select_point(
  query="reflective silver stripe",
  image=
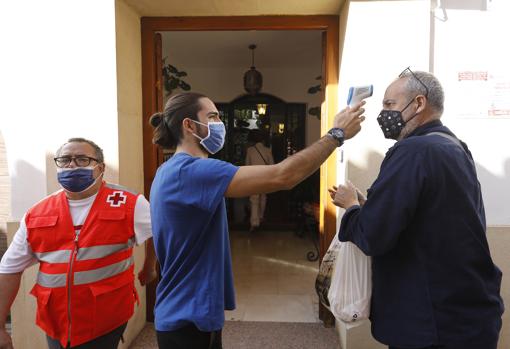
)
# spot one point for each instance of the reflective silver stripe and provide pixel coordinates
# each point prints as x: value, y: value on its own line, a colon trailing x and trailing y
x: 101, y: 251
x: 61, y: 256
x: 51, y: 280
x: 85, y: 277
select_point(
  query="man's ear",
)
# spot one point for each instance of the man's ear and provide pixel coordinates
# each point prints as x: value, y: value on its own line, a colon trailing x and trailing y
x: 421, y: 103
x: 187, y: 126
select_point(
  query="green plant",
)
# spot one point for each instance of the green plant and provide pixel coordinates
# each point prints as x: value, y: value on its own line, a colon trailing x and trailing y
x: 173, y: 79
x: 315, y: 111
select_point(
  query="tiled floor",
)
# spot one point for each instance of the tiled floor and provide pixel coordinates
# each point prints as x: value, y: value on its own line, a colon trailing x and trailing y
x: 274, y: 281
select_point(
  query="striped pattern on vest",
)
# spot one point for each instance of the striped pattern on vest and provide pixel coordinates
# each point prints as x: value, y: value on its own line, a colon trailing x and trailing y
x: 87, y: 253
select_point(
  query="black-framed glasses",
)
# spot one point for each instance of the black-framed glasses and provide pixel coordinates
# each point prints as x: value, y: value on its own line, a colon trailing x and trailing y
x: 408, y: 69
x: 80, y: 160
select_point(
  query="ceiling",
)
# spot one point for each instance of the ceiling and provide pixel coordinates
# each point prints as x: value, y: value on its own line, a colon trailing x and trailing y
x: 177, y: 8
x: 229, y: 49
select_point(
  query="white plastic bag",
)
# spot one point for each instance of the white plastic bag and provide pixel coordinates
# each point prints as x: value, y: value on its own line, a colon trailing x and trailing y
x: 326, y: 270
x: 351, y: 285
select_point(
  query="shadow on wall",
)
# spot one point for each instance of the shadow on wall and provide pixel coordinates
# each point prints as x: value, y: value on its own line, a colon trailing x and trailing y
x: 25, y: 193
x: 5, y: 196
x: 363, y: 177
x: 3, y: 240
x: 496, y: 198
x: 51, y: 174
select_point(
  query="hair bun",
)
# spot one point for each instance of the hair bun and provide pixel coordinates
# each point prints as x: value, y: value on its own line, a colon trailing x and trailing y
x: 156, y: 119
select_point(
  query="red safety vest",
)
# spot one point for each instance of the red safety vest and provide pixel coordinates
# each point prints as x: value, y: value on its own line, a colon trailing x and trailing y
x: 85, y: 284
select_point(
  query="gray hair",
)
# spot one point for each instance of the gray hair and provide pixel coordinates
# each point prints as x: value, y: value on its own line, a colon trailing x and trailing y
x: 97, y: 149
x: 415, y: 85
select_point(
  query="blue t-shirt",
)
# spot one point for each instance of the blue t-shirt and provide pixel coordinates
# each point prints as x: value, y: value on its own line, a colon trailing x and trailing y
x: 189, y: 224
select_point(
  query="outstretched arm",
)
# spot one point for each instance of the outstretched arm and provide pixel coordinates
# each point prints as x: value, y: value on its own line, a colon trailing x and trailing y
x: 285, y: 175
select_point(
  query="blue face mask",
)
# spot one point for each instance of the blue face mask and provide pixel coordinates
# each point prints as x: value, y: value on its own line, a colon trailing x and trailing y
x: 215, y: 137
x: 76, y: 180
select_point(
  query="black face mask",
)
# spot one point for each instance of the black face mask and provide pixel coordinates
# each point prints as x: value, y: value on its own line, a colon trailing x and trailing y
x: 392, y: 123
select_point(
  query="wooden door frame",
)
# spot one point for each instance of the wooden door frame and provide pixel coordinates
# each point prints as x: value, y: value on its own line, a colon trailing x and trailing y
x: 328, y: 23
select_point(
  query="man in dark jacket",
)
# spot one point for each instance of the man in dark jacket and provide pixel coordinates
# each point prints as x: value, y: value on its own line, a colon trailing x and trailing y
x: 423, y: 222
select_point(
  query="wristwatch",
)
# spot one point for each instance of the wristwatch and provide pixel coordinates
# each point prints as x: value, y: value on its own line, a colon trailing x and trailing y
x: 337, y: 134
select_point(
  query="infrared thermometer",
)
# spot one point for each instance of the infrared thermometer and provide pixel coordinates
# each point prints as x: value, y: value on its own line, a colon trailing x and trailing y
x: 359, y: 93
x: 356, y: 94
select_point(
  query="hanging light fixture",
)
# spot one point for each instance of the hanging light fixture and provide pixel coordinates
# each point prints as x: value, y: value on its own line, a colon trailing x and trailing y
x: 261, y: 108
x: 252, y: 78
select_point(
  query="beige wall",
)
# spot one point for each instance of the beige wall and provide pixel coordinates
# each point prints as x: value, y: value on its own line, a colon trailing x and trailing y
x: 129, y: 106
x: 499, y: 242
x: 155, y: 8
x: 129, y: 96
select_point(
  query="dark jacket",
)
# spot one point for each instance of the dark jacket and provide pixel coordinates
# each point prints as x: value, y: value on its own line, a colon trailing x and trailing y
x: 434, y: 281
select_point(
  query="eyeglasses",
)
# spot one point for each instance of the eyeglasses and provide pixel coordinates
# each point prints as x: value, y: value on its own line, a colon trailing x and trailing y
x: 80, y: 161
x: 404, y: 74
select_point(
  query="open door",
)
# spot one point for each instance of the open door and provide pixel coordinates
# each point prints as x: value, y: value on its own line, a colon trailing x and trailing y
x: 157, y: 106
x: 329, y: 24
x: 328, y: 220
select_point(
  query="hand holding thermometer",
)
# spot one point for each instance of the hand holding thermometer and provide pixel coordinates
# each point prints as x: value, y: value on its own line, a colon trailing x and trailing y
x: 358, y: 93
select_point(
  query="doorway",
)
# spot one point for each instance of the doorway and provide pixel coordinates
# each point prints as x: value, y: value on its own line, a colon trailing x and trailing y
x: 152, y: 101
x: 279, y: 126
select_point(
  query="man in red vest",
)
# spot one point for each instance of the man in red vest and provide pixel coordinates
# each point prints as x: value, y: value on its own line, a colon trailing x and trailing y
x: 82, y: 237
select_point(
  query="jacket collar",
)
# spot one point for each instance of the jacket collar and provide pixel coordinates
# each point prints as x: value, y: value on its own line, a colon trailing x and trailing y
x: 432, y: 126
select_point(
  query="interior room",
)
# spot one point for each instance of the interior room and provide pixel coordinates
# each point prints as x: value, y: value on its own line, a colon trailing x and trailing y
x: 276, y: 265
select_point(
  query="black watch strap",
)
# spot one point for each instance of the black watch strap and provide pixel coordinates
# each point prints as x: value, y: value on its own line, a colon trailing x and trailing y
x: 337, y: 134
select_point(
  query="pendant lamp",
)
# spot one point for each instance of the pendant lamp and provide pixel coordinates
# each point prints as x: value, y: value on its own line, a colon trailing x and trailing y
x: 252, y: 78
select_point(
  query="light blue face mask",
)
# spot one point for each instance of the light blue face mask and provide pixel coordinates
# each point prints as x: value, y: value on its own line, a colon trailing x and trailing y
x: 215, y: 138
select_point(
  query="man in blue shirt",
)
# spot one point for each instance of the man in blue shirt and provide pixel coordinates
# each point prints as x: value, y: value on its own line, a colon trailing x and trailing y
x: 189, y: 219
x: 423, y: 222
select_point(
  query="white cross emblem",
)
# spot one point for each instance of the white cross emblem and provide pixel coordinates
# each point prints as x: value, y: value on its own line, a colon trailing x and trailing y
x: 116, y: 199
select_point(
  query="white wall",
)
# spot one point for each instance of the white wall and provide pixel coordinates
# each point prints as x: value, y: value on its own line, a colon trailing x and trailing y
x: 382, y: 39
x: 467, y: 41
x: 470, y: 40
x: 58, y: 81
